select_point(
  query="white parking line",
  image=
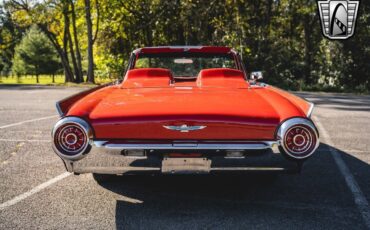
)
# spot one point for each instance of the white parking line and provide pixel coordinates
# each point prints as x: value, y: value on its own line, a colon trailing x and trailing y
x: 27, y: 121
x: 360, y: 199
x: 33, y: 191
x: 23, y: 140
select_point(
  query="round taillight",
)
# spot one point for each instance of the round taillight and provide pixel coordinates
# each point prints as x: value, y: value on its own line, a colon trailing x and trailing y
x: 299, y: 138
x: 71, y: 138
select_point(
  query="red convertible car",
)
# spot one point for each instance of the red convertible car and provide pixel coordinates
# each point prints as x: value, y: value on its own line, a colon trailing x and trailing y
x: 184, y: 110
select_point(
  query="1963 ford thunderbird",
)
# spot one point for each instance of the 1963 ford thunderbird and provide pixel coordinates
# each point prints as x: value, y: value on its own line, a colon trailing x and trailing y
x: 184, y: 110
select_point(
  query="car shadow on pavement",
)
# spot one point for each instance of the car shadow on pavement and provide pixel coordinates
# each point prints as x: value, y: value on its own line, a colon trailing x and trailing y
x: 316, y: 198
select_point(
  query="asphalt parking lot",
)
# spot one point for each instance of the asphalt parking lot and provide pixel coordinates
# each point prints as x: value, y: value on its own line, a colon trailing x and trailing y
x: 332, y: 192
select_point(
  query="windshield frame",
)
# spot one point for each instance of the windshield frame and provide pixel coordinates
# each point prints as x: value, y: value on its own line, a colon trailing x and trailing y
x: 232, y: 55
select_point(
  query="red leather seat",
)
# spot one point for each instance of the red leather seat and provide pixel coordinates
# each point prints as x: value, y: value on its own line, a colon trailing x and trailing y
x: 147, y: 77
x: 221, y: 77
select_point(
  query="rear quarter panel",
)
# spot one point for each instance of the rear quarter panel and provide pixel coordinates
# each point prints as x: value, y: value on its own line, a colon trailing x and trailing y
x: 64, y: 105
x: 305, y: 106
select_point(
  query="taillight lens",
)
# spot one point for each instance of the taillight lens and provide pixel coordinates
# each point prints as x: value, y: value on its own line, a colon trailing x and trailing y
x: 71, y: 137
x: 299, y: 138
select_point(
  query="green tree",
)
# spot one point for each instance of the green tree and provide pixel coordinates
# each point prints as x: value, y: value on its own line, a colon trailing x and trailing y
x: 10, y: 36
x: 35, y: 55
x: 281, y: 37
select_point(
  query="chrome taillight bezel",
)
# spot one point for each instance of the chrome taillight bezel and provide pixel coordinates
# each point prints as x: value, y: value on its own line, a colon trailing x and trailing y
x: 302, y: 123
x: 71, y: 122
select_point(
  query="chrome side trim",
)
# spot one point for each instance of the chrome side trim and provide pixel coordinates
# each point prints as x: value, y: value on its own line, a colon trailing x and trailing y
x: 297, y: 121
x: 189, y: 146
x: 117, y: 170
x: 310, y: 110
x: 60, y: 112
x: 121, y: 170
x: 85, y: 127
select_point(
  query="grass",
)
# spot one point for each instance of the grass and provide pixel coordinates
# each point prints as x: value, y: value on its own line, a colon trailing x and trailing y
x: 46, y: 80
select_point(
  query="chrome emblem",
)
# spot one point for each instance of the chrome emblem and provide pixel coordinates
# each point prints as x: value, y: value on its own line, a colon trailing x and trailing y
x: 184, y: 128
x: 338, y: 18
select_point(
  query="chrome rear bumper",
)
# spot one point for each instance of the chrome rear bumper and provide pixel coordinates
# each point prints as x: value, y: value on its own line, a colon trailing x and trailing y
x: 107, y: 157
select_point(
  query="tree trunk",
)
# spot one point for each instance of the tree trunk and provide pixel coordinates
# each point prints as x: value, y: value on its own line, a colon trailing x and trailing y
x: 97, y: 20
x: 68, y: 77
x: 68, y: 40
x: 63, y: 56
x: 79, y: 76
x: 308, y: 48
x: 90, y: 69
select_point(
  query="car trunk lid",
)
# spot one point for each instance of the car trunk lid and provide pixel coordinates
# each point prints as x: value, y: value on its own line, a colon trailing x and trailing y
x: 176, y: 113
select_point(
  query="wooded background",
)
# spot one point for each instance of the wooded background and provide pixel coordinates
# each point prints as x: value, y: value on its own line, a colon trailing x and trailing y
x: 83, y: 39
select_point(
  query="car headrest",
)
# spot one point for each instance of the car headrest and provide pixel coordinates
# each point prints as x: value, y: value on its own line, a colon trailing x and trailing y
x: 147, y: 77
x: 221, y: 77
